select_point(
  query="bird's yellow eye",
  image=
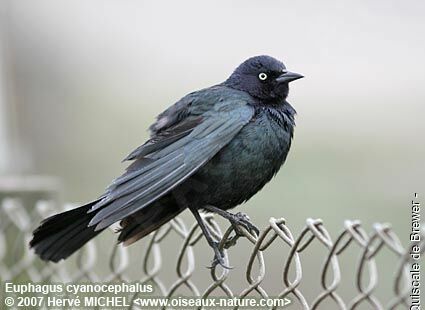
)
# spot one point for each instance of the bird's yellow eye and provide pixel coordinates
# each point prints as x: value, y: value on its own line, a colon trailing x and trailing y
x: 262, y: 76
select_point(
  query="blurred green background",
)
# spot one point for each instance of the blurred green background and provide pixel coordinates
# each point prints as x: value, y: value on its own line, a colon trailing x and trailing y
x: 82, y: 80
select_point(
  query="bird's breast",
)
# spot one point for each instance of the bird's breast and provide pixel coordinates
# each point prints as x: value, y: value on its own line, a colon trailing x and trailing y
x: 247, y: 163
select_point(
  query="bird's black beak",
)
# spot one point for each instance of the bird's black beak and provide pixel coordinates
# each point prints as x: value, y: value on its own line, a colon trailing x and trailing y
x: 288, y: 76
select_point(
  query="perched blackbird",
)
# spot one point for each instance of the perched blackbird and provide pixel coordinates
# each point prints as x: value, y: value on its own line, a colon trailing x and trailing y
x: 212, y: 150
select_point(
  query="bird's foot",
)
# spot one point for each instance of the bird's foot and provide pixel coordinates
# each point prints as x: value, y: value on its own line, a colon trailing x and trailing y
x: 231, y: 241
x: 242, y: 219
x: 218, y: 257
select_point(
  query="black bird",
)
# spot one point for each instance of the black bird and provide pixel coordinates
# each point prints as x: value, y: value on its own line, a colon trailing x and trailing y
x: 212, y: 150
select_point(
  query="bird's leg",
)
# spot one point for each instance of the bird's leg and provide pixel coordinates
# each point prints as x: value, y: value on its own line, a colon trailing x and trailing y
x: 218, y: 254
x: 235, y: 219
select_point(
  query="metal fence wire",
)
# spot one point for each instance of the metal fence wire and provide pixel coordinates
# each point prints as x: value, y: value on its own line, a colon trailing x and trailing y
x: 17, y: 263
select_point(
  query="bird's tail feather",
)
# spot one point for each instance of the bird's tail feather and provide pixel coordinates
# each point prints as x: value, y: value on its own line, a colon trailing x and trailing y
x: 148, y: 219
x: 62, y: 234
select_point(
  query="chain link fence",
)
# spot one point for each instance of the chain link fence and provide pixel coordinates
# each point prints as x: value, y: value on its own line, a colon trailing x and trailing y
x: 96, y: 263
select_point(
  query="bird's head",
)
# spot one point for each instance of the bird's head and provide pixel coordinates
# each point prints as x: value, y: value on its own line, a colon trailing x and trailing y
x: 263, y: 77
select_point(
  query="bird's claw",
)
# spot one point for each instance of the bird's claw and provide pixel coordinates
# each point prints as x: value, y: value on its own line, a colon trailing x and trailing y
x: 231, y: 241
x: 242, y: 219
x: 218, y: 258
x: 219, y: 261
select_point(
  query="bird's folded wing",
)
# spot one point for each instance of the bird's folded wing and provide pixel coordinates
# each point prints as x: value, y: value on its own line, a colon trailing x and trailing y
x: 167, y: 167
x: 166, y: 137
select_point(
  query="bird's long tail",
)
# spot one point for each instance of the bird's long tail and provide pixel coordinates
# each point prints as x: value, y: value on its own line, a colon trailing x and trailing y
x: 148, y: 219
x: 62, y: 234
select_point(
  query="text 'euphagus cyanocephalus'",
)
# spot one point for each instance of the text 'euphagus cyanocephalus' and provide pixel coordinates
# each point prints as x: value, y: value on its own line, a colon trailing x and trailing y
x: 212, y: 150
